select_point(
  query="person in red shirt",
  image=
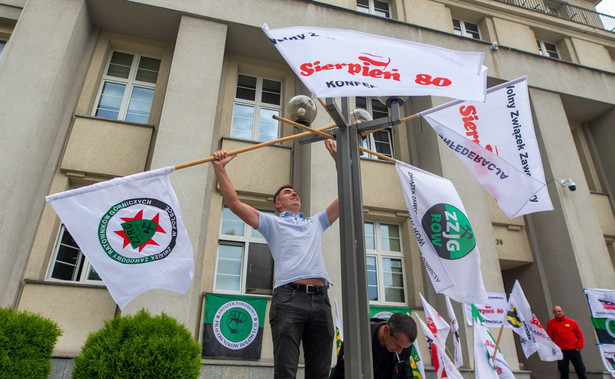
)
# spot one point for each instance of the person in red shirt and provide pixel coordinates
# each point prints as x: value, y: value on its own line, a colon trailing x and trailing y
x: 566, y: 334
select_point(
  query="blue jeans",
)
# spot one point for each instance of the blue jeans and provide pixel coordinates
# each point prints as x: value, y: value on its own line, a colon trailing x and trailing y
x: 297, y: 317
x: 573, y: 356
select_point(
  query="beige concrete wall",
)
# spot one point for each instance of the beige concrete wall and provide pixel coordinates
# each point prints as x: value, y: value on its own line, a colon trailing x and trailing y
x: 77, y: 311
x: 593, y: 55
x: 515, y: 35
x: 429, y: 14
x: 604, y: 212
x: 104, y: 147
x: 187, y: 132
x: 58, y: 33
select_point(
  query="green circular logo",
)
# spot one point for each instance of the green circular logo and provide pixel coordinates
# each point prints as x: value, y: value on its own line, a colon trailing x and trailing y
x: 138, y: 230
x: 449, y: 231
x: 235, y: 324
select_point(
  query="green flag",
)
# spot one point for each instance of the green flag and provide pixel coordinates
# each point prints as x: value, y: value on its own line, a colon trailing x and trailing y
x: 233, y: 326
x: 386, y: 312
x: 605, y: 329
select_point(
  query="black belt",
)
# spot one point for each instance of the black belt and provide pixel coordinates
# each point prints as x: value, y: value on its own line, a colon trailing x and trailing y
x: 307, y: 288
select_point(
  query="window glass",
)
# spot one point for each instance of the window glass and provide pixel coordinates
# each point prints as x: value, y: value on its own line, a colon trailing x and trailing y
x: 466, y: 29
x: 244, y: 264
x: 384, y: 260
x: 256, y: 101
x: 375, y: 7
x: 68, y: 262
x: 2, y: 43
x: 121, y: 98
x: 380, y: 141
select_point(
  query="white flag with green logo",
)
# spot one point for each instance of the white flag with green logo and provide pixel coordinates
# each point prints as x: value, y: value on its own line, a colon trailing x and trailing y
x: 444, y: 235
x: 131, y: 231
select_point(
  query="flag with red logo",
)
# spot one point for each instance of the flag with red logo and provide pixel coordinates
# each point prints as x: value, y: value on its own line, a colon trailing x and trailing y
x: 488, y: 363
x: 442, y: 364
x: 335, y: 62
x: 452, y: 320
x: 601, y: 302
x: 436, y: 323
x: 131, y: 231
x: 496, y: 141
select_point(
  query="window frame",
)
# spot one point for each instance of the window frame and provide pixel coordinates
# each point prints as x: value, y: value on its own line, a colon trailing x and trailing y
x: 258, y: 106
x: 369, y: 141
x: 371, y: 8
x: 83, y: 267
x: 244, y: 241
x: 542, y: 49
x: 463, y: 30
x: 380, y: 255
x: 130, y: 84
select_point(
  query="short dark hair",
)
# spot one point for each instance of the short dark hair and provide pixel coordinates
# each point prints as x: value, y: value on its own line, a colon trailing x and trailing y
x: 402, y: 323
x: 280, y: 190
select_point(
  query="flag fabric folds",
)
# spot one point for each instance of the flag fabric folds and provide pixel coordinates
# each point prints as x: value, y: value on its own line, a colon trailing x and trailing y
x: 496, y: 141
x: 452, y: 320
x: 131, y: 231
x: 533, y: 337
x: 491, y: 311
x: 416, y: 362
x: 331, y: 63
x: 442, y: 364
x: 233, y: 326
x: 601, y: 302
x: 484, y: 350
x: 444, y: 234
x: 436, y: 323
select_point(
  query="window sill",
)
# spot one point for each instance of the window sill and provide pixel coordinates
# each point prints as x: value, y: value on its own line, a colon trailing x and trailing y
x: 65, y: 284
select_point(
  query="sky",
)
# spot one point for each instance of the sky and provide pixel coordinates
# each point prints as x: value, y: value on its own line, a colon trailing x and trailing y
x: 607, y: 7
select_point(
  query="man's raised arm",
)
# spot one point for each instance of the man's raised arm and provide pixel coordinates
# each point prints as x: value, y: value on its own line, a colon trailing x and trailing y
x: 245, y: 212
x: 333, y: 210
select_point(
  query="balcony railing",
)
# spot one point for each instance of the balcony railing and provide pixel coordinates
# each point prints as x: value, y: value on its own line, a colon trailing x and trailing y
x: 567, y: 11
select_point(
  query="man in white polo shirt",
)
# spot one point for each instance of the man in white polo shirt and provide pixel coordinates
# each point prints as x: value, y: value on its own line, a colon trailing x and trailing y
x: 300, y: 310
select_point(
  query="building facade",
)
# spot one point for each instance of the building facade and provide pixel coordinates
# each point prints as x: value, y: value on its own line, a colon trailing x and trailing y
x: 96, y: 89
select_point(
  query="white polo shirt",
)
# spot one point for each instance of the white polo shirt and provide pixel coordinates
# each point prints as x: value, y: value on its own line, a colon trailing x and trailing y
x: 295, y: 243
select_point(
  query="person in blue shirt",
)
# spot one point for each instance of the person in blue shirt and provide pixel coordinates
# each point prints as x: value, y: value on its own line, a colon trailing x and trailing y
x: 300, y: 310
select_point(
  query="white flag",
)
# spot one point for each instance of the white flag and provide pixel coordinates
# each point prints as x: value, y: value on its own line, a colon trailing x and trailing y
x: 334, y: 62
x: 438, y: 326
x: 607, y: 353
x: 444, y: 234
x: 131, y: 231
x: 492, y: 311
x: 601, y: 302
x: 442, y: 364
x: 484, y: 350
x: 496, y: 141
x: 538, y: 339
x: 452, y: 319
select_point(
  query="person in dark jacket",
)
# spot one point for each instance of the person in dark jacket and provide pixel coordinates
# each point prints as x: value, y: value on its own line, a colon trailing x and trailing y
x: 391, y: 347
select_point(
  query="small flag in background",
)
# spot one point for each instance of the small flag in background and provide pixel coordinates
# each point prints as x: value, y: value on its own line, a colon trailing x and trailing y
x: 452, y: 319
x: 444, y: 234
x: 131, y: 231
x: 339, y: 334
x: 484, y: 350
x: 416, y: 362
x: 496, y: 141
x: 442, y: 364
x: 438, y: 326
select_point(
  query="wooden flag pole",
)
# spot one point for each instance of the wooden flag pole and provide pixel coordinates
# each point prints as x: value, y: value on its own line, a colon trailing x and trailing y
x: 257, y: 146
x: 497, y: 343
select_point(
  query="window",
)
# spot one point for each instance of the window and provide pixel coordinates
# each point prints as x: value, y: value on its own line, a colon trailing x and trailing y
x: 256, y: 101
x: 380, y: 141
x: 375, y: 7
x: 385, y: 266
x: 466, y: 29
x: 127, y: 90
x: 547, y: 49
x: 68, y: 261
x: 2, y: 43
x: 244, y: 262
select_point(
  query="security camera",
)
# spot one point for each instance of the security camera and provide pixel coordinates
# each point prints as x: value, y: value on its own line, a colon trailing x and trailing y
x: 494, y: 46
x: 568, y: 183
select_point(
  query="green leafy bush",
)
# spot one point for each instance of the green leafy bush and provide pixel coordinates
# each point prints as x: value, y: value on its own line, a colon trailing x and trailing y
x: 26, y: 344
x: 139, y: 346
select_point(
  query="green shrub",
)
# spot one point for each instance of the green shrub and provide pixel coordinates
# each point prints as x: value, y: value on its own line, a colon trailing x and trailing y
x: 26, y: 344
x: 139, y: 346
